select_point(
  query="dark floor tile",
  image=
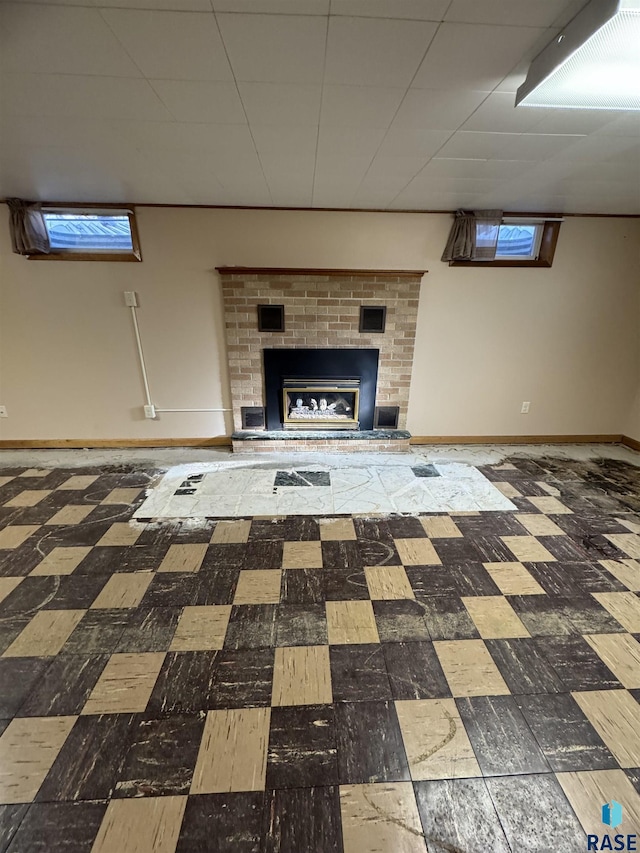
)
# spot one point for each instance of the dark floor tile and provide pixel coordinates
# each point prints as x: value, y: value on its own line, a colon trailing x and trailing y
x: 492, y: 548
x: 103, y: 560
x: 370, y: 746
x: 89, y: 763
x: 302, y: 819
x: 143, y: 558
x: 150, y: 629
x: 243, y: 679
x: 566, y: 737
x: 524, y: 667
x: 459, y: 815
x: 263, y: 529
x: 341, y: 555
x: 30, y: 595
x: 184, y: 684
x: 406, y: 527
x: 427, y: 581
x: 542, y: 615
x: 161, y: 757
x: 299, y: 528
x: 400, y: 621
x: 415, y: 671
x: 302, y: 586
x: 564, y: 548
x: 535, y: 815
x: 358, y: 673
x: 258, y: 555
x: 58, y: 828
x: 302, y: 747
x: 65, y: 686
x: 191, y: 531
x: 10, y: 819
x: 19, y: 562
x: 171, y: 589
x: 10, y: 627
x: 500, y: 737
x: 378, y: 552
x: 252, y: 626
x: 447, y: 618
x: 456, y: 551
x: 493, y: 524
x: 572, y: 578
x: 588, y: 616
x: 231, y: 822
x: 301, y: 625
x: 216, y: 586
x: 227, y: 555
x: 17, y: 678
x: 374, y: 529
x: 577, y: 664
x: 344, y: 585
x: 426, y: 471
x: 75, y: 592
x: 90, y: 532
x: 98, y: 632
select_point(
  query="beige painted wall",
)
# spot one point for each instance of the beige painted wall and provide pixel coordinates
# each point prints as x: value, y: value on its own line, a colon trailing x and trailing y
x: 565, y: 339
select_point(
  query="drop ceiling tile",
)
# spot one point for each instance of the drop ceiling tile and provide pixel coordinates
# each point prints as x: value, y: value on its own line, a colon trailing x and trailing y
x: 412, y: 142
x: 286, y: 141
x: 522, y: 13
x: 359, y: 106
x: 475, y: 145
x: 158, y: 5
x: 373, y: 198
x: 281, y: 103
x: 82, y: 96
x: 171, y: 45
x: 394, y: 171
x: 574, y: 121
x: 346, y: 142
x: 418, y: 10
x: 201, y: 101
x: 499, y: 112
x: 275, y: 48
x: 438, y: 109
x: 375, y: 52
x: 537, y: 146
x: 273, y: 7
x: 473, y: 56
x: 624, y: 125
x: 60, y: 40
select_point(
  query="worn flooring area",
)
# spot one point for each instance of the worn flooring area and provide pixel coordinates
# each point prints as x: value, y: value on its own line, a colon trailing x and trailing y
x: 451, y: 683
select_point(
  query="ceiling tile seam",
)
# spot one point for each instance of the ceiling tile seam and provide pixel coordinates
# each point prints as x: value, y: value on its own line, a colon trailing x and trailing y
x: 235, y: 83
x: 324, y: 69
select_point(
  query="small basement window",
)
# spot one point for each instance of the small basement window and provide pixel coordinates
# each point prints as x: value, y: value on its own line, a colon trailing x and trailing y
x: 90, y: 234
x: 521, y: 242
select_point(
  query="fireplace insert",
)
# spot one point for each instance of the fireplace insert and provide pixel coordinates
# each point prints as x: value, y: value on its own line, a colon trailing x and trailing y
x: 313, y: 403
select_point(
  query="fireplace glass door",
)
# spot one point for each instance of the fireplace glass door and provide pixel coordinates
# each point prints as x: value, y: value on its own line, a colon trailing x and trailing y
x: 320, y: 403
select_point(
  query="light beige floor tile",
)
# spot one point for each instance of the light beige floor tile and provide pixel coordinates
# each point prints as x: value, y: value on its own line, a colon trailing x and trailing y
x: 121, y: 496
x: 629, y: 543
x: 633, y: 526
x: 301, y: 676
x: 231, y: 532
x: 440, y: 527
x: 469, y: 668
x: 417, y: 552
x: 122, y: 533
x: 623, y: 606
x: 35, y: 472
x: 233, y: 751
x: 382, y: 818
x: 549, y: 489
x: 435, y: 740
x: 125, y: 684
x: 626, y: 571
x: 123, y: 590
x: 494, y: 617
x: 508, y: 490
x: 621, y: 653
x: 351, y: 622
x: 5, y: 480
x: 14, y: 536
x: 79, y: 482
x: 337, y: 529
x: 183, y: 558
x: 201, y: 628
x: 301, y: 555
x: 550, y: 505
x: 387, y: 582
x: 30, y: 497
x: 145, y: 825
x: 7, y: 585
x: 61, y: 561
x: 513, y: 579
x: 45, y: 635
x: 527, y: 549
x: 71, y: 514
x: 261, y: 586
x: 539, y: 524
x: 615, y: 715
x: 28, y: 748
x: 588, y: 790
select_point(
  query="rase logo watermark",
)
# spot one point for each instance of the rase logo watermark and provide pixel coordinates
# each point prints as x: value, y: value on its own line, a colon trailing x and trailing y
x: 612, y: 816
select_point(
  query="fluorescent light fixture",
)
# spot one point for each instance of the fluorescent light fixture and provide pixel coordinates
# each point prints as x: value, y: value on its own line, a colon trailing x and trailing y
x: 594, y: 63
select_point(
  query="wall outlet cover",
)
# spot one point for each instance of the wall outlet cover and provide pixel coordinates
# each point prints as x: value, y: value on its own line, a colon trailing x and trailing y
x: 149, y: 411
x: 3, y: 412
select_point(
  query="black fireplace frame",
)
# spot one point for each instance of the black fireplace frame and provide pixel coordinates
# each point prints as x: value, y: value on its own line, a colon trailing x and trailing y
x: 319, y: 363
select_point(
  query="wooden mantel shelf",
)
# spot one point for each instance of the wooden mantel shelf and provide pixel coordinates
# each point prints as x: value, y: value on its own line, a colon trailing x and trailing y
x: 314, y: 271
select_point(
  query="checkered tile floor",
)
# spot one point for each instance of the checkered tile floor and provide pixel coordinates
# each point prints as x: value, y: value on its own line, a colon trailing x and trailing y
x: 451, y: 682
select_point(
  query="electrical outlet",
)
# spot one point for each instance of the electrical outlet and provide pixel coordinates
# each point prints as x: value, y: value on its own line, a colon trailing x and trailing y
x: 130, y: 298
x: 525, y: 409
x: 150, y: 411
x: 3, y: 412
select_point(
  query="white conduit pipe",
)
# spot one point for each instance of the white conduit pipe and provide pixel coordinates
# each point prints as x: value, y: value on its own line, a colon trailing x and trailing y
x: 193, y: 410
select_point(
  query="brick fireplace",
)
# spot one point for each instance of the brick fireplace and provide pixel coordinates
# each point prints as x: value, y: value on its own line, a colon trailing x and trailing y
x: 321, y: 310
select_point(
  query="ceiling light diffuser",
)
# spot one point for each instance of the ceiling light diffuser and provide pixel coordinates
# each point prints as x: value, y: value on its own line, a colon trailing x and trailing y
x: 594, y: 63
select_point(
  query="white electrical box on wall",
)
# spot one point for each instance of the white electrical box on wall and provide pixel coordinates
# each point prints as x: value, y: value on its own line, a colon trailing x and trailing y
x: 131, y: 298
x: 150, y: 411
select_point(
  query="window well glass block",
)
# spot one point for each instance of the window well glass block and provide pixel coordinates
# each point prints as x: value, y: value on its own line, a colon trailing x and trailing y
x: 83, y: 232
